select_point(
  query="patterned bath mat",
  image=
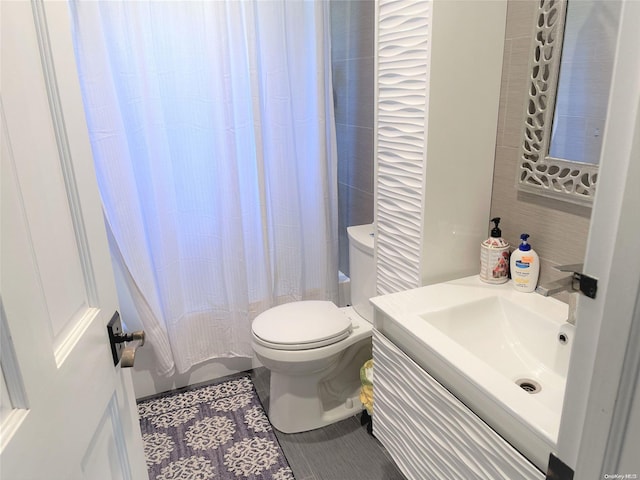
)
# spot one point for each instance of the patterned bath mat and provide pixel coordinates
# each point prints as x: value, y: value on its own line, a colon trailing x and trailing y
x: 218, y: 431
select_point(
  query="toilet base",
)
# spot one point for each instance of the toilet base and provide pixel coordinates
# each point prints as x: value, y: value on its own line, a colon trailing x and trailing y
x: 298, y: 403
x: 299, y: 409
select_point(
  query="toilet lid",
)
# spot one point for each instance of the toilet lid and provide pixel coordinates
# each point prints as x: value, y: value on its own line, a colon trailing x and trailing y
x: 301, y: 325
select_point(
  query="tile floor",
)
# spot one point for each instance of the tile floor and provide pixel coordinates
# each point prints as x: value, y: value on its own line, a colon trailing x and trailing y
x: 342, y: 451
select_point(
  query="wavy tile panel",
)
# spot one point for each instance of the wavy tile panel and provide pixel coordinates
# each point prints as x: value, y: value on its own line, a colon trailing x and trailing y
x: 429, y: 432
x: 402, y: 75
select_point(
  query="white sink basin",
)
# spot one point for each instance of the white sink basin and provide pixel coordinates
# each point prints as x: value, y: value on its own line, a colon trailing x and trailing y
x: 496, y: 349
x: 519, y: 343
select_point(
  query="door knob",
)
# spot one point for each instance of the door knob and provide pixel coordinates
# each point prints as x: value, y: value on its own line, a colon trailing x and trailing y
x: 118, y: 338
x: 130, y: 337
x: 129, y: 352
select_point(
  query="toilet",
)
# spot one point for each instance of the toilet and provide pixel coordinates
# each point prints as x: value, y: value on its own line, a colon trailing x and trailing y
x: 314, y: 349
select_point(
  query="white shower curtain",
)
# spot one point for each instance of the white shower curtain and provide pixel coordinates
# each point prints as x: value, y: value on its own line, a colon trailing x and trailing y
x: 213, y: 137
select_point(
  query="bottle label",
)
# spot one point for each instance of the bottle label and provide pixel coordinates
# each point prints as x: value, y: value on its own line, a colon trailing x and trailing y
x: 494, y: 265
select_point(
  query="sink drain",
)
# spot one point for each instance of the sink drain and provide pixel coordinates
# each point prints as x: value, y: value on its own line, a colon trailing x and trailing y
x: 528, y: 385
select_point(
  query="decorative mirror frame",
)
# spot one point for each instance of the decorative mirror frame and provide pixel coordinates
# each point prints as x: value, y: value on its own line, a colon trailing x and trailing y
x: 537, y: 172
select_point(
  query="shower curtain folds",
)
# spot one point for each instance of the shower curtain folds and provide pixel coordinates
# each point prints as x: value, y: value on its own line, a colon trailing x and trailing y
x: 213, y: 136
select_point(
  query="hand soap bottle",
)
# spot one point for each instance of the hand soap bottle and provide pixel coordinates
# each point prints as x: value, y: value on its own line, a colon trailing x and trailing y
x: 494, y: 257
x: 525, y: 266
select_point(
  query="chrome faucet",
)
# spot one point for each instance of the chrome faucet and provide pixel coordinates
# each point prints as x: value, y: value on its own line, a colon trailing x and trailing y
x: 570, y: 284
x: 566, y: 284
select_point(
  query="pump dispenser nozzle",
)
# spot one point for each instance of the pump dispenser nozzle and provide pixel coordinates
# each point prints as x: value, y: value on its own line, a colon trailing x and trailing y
x: 495, y: 231
x: 524, y: 245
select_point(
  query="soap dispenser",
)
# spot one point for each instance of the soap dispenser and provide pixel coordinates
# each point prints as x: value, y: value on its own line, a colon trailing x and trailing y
x: 525, y: 266
x: 494, y: 256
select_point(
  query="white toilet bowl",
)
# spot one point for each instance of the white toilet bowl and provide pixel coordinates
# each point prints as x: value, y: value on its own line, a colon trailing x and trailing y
x: 315, y: 350
x: 315, y: 377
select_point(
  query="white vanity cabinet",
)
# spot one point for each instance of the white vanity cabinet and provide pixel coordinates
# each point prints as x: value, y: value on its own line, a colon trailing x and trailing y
x: 429, y: 432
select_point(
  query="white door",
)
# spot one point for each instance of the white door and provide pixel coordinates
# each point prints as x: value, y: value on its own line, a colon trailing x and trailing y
x: 68, y: 413
x: 601, y: 414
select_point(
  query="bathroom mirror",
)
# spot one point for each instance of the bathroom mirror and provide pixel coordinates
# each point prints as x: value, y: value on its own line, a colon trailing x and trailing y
x: 569, y: 78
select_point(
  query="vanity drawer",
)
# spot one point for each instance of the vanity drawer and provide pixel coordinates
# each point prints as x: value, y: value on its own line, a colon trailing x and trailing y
x: 429, y: 432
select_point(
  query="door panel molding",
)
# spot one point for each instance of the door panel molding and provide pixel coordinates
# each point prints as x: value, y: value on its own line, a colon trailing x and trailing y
x: 64, y: 150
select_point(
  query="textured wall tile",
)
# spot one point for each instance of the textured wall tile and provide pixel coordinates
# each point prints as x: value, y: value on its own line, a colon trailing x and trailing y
x: 403, y: 52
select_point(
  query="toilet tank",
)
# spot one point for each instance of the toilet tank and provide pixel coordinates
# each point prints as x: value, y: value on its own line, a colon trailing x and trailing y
x: 362, y: 269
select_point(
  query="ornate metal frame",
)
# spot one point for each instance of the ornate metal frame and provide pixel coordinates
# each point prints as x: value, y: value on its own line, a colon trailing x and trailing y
x: 537, y: 172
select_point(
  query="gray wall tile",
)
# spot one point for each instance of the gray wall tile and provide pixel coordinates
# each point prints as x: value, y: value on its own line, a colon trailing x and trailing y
x: 352, y: 45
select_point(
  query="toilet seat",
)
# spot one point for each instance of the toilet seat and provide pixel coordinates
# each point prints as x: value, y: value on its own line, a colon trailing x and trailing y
x: 301, y: 326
